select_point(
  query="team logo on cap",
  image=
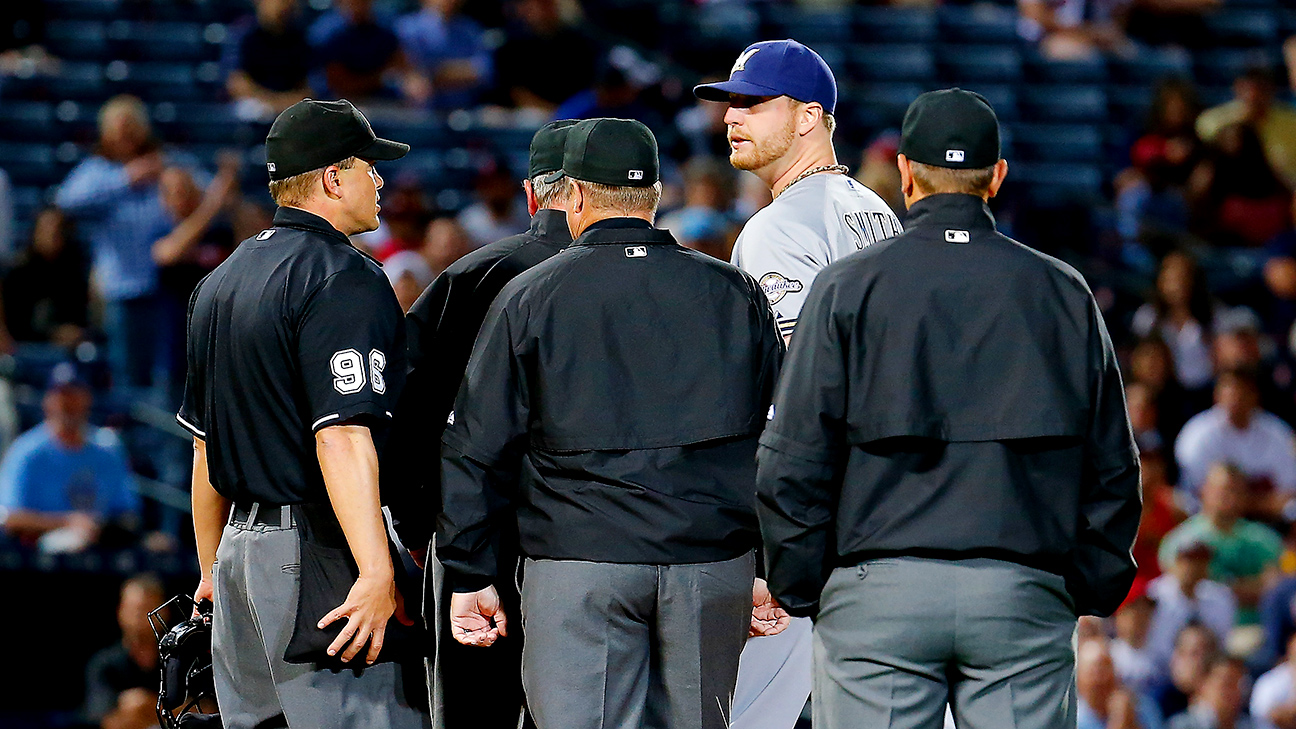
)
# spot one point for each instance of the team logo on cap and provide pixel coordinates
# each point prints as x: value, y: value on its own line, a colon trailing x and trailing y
x: 776, y: 286
x: 636, y: 174
x: 741, y: 63
x: 955, y: 155
x: 270, y: 166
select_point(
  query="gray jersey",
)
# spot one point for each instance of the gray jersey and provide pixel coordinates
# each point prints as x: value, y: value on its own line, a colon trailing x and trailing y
x: 813, y: 223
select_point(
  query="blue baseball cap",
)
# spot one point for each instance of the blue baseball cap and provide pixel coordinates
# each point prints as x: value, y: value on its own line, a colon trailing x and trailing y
x: 777, y: 68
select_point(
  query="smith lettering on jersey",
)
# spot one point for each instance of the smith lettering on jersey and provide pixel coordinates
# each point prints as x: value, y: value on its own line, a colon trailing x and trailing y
x: 808, y: 226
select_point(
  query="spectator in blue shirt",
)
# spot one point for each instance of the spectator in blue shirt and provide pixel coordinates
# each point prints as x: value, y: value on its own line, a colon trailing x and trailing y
x: 358, y: 51
x: 447, y: 49
x: 267, y: 61
x: 63, y: 480
x: 113, y: 195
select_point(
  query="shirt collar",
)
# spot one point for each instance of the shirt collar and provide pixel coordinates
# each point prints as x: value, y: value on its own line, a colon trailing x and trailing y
x: 550, y: 225
x: 624, y: 230
x: 299, y: 219
x: 967, y: 211
x: 621, y: 223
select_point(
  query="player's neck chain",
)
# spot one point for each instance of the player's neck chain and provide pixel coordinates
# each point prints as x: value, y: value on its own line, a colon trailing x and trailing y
x: 838, y: 169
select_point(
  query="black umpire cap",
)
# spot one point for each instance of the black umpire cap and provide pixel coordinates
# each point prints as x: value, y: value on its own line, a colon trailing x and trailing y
x: 547, y: 148
x: 312, y: 134
x: 615, y: 152
x: 951, y: 128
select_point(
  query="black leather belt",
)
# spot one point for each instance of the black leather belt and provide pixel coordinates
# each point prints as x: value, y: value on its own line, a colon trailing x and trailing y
x: 261, y: 515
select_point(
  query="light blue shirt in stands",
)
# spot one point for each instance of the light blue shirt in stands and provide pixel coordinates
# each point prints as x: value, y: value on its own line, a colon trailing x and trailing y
x: 1149, y: 716
x: 40, y: 474
x: 429, y: 40
x: 121, y: 223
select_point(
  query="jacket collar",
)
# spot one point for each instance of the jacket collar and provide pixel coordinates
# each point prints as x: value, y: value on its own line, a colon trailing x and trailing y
x: 615, y: 233
x: 966, y: 211
x: 550, y: 225
x: 299, y: 219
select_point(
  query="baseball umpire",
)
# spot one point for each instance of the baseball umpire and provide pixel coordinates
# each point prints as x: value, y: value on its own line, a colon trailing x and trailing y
x: 296, y: 356
x: 781, y: 98
x: 610, y: 412
x: 442, y: 326
x: 949, y: 477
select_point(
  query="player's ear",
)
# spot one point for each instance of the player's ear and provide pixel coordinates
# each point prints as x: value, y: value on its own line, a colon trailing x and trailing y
x: 576, y: 197
x: 808, y: 117
x: 532, y: 204
x: 1000, y: 172
x: 333, y: 181
x: 906, y: 176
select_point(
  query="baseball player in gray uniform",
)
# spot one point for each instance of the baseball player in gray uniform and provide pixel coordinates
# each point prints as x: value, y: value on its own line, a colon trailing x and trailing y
x: 781, y: 98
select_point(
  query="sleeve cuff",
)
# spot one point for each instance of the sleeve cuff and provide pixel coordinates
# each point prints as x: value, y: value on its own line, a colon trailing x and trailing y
x: 371, y: 409
x: 462, y: 583
x: 189, y: 426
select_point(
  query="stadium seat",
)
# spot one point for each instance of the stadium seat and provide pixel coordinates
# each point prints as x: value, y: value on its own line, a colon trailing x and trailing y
x: 81, y: 9
x: 1053, y: 183
x: 1002, y: 97
x: 1043, y: 70
x: 1128, y: 105
x: 877, y: 106
x: 156, y: 81
x: 30, y: 164
x: 980, y: 23
x: 1057, y: 143
x: 28, y: 201
x: 78, y: 81
x: 167, y: 41
x: 812, y: 27
x: 961, y: 64
x: 1151, y: 65
x: 1077, y: 104
x: 77, y: 39
x: 895, y: 25
x: 28, y: 121
x: 1243, y: 27
x: 725, y: 24
x: 891, y: 63
x: 1223, y: 65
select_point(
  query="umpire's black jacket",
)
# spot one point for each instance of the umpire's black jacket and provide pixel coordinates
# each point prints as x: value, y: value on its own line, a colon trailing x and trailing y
x: 441, y: 327
x: 950, y: 393
x: 613, y: 399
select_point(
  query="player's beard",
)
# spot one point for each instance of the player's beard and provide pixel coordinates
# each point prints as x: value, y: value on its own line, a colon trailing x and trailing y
x: 763, y: 153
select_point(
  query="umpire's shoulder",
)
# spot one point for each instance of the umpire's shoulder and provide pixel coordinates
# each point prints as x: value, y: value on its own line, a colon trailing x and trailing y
x: 1055, y: 268
x: 488, y: 256
x: 538, y: 281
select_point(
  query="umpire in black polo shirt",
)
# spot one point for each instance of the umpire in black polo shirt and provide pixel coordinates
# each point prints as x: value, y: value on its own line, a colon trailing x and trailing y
x: 442, y: 326
x: 609, y: 413
x: 949, y: 477
x: 295, y: 359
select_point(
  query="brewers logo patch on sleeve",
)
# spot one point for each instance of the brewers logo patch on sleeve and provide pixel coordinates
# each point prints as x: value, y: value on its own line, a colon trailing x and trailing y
x: 776, y: 286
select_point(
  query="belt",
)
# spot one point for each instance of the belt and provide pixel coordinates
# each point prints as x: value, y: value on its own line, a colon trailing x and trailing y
x: 261, y: 515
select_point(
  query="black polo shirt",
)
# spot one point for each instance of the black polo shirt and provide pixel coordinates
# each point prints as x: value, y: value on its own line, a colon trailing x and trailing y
x: 296, y: 331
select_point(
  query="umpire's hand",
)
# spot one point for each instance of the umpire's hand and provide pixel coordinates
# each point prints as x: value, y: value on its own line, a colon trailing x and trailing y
x: 767, y: 617
x: 477, y: 618
x: 368, y: 607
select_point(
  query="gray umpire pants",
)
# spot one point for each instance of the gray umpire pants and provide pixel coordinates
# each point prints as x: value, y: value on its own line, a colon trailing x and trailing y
x: 624, y: 646
x: 255, y: 605
x: 896, y: 639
